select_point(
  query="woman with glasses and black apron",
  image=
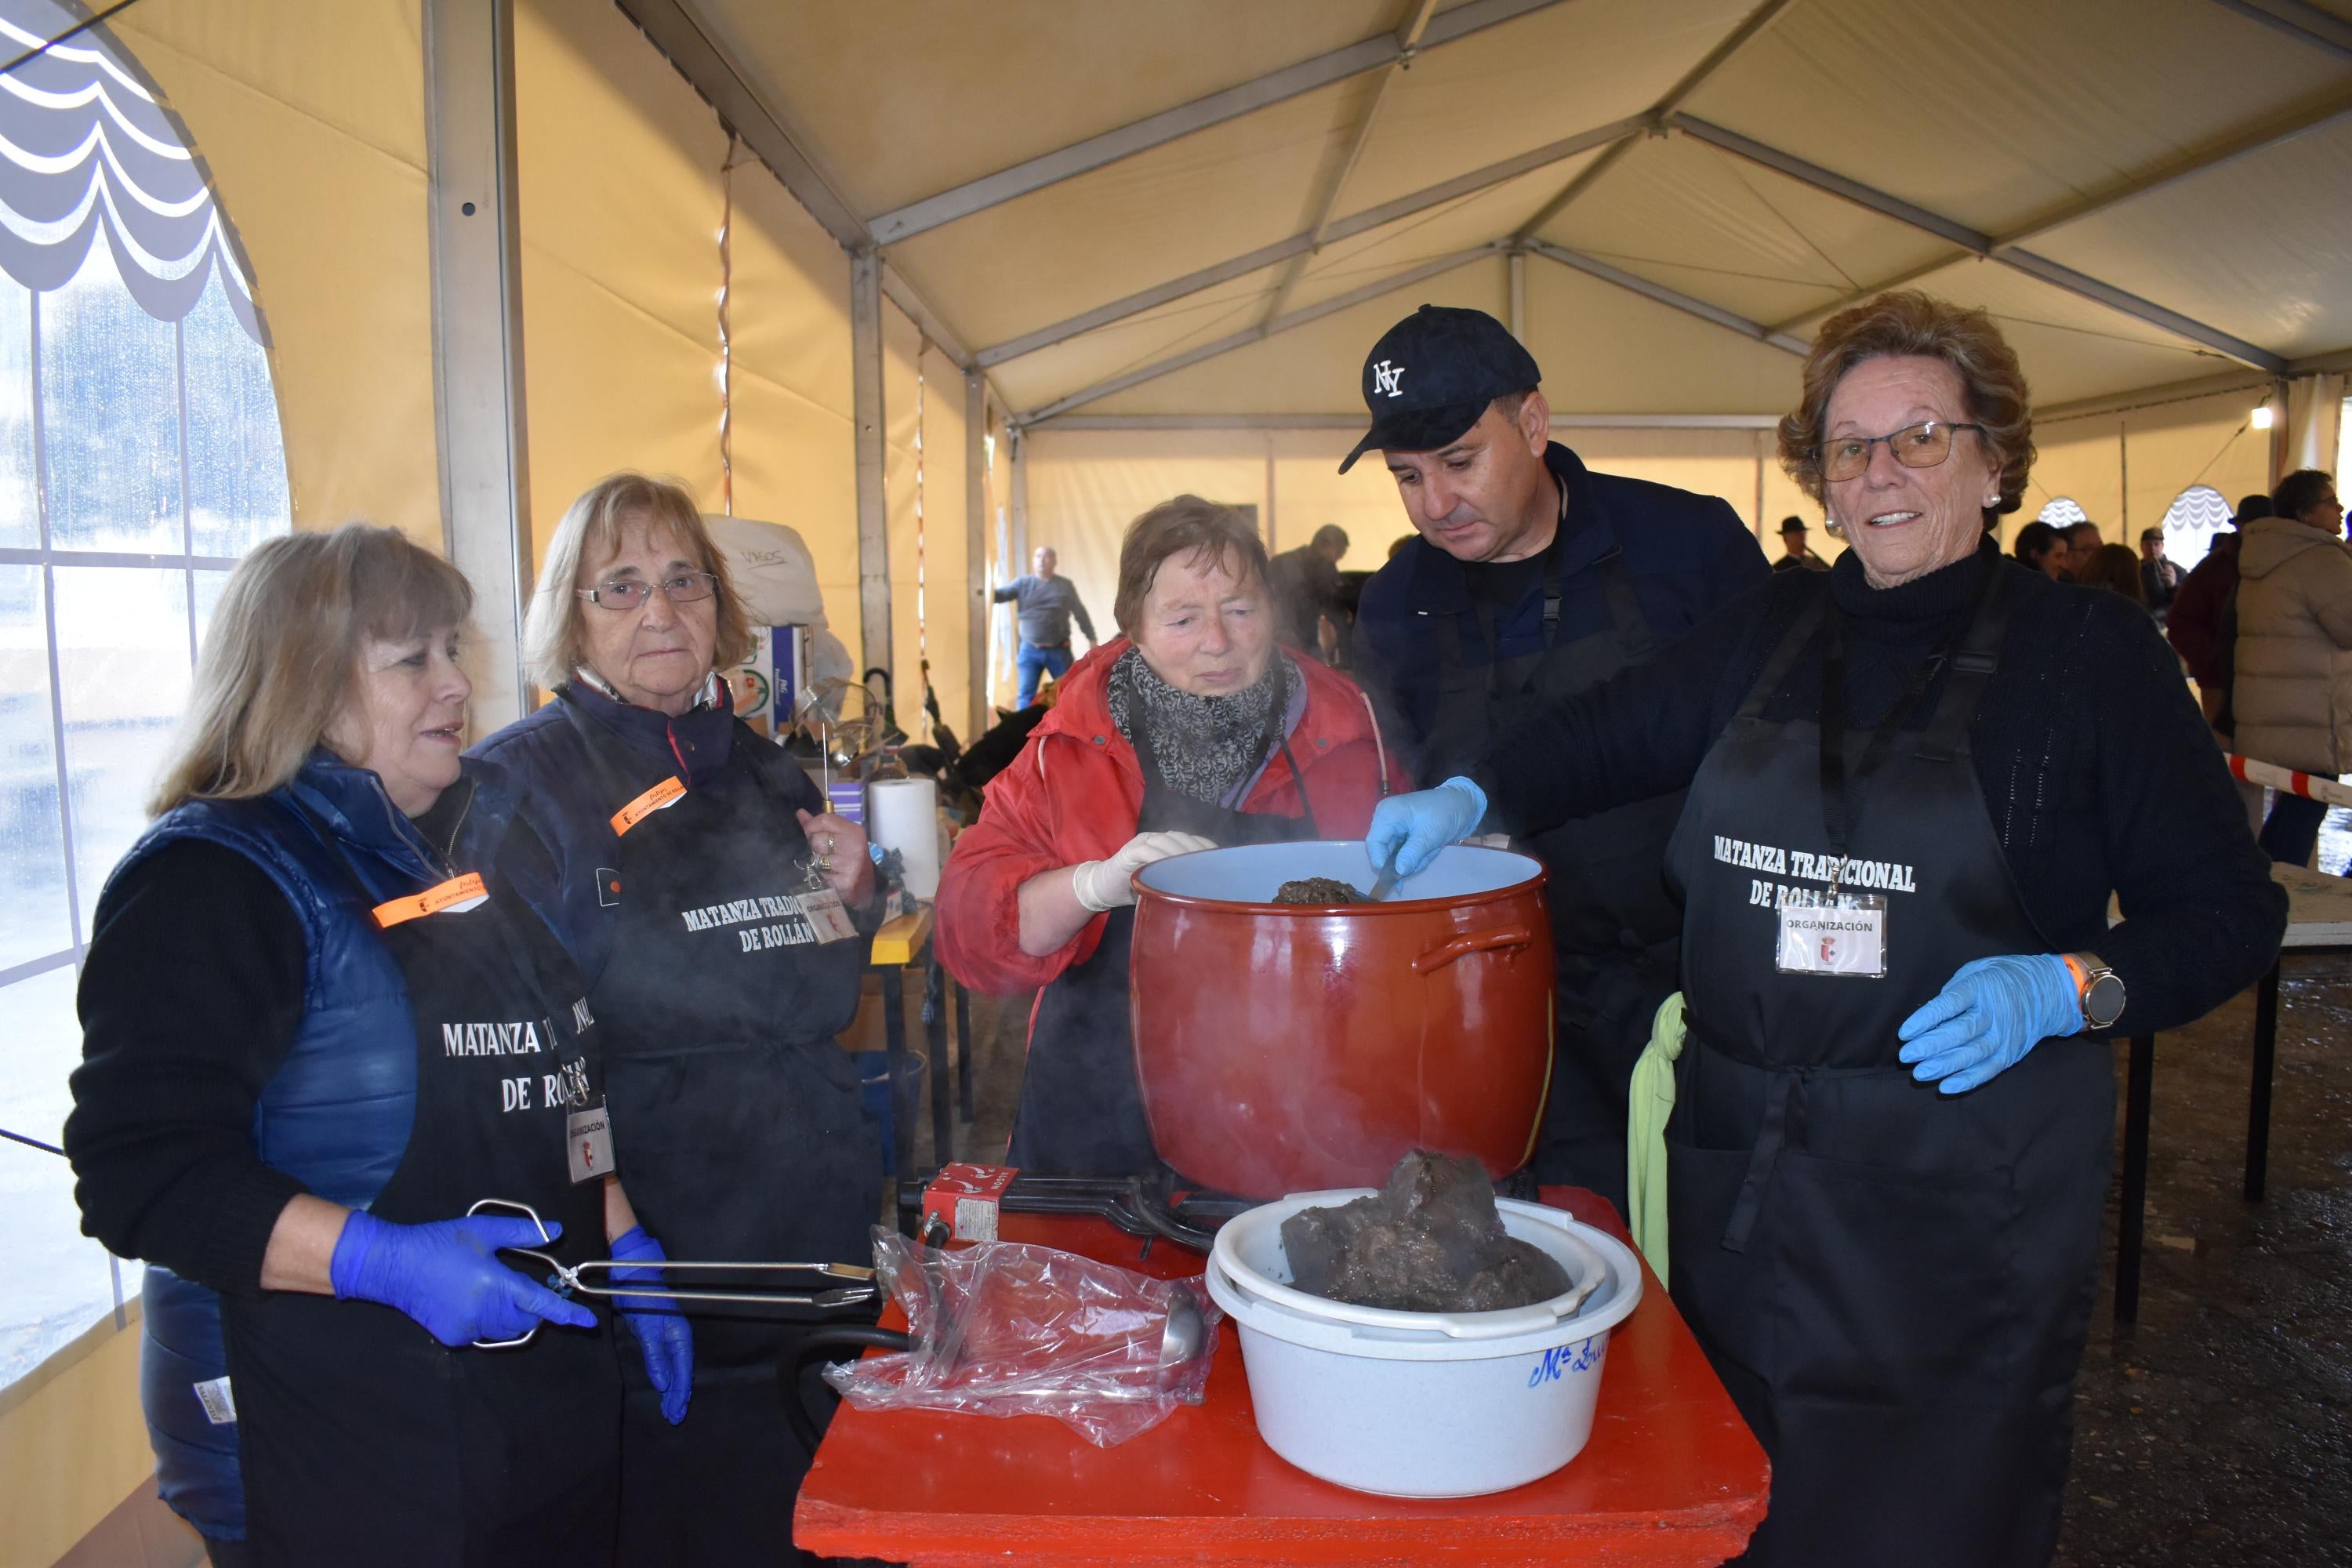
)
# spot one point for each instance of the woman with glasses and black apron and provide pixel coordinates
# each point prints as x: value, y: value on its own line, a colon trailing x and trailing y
x: 721, y: 915
x: 1915, y: 782
x: 1191, y: 730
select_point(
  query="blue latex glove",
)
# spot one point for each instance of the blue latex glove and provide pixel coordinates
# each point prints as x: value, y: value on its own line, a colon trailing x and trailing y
x: 1988, y: 1016
x: 446, y: 1275
x: 1416, y: 827
x: 662, y: 1330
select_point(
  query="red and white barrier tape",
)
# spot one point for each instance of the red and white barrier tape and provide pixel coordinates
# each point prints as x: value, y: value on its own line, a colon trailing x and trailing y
x: 2294, y: 783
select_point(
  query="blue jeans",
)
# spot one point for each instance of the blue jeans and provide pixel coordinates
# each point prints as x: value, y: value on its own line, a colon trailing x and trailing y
x: 2291, y: 830
x: 1033, y: 658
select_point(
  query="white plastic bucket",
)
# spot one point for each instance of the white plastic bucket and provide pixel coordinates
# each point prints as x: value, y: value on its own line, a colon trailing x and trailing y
x: 1423, y: 1403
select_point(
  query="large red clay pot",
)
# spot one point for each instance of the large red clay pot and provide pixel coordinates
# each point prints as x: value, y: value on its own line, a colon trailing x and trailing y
x: 1286, y: 1048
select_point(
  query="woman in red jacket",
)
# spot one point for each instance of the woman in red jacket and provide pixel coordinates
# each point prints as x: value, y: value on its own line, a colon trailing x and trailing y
x: 1190, y: 729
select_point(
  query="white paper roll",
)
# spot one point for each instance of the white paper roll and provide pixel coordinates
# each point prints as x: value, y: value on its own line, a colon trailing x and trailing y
x: 903, y: 814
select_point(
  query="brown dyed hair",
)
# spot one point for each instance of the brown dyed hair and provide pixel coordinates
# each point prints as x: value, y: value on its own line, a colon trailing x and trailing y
x: 281, y: 658
x: 1911, y: 324
x: 2115, y: 567
x: 1201, y: 531
x: 591, y: 529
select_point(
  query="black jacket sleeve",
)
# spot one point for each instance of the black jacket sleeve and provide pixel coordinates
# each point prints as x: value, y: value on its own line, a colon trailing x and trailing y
x: 2203, y: 919
x: 191, y: 997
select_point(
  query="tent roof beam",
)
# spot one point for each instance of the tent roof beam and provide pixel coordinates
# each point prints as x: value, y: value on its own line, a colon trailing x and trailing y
x: 1355, y: 422
x: 1977, y: 244
x: 1260, y: 333
x: 2257, y: 137
x: 1407, y: 37
x: 695, y: 56
x: 1138, y: 136
x: 1364, y: 222
x: 1672, y: 299
x: 1750, y: 27
x: 2303, y: 22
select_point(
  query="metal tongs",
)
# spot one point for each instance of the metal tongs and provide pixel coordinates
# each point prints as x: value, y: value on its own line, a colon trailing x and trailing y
x: 568, y: 1279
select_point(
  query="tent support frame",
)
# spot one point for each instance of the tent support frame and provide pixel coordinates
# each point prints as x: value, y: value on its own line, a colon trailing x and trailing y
x: 473, y: 227
x: 868, y: 433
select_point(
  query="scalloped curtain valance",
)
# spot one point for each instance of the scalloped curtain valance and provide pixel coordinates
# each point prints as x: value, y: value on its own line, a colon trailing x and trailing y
x: 86, y: 150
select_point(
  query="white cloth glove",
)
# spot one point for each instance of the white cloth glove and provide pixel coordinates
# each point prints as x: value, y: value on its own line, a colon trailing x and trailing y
x: 1103, y: 885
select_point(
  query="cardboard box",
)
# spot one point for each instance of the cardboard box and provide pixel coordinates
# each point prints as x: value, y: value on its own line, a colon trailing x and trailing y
x: 767, y: 686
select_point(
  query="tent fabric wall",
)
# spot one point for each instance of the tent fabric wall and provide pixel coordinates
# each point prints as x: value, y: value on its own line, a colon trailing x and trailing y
x: 927, y: 619
x: 315, y: 140
x: 2166, y: 448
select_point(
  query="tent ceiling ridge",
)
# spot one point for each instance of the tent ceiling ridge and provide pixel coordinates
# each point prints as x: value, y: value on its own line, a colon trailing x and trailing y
x: 1978, y: 243
x: 1744, y: 33
x: 1141, y: 135
x: 2245, y: 141
x: 1262, y: 331
x: 2305, y: 23
x: 1348, y: 227
x: 1355, y: 422
x: 1674, y: 298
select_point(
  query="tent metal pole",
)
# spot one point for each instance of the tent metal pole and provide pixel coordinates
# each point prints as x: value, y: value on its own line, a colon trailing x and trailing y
x: 1671, y: 298
x: 2303, y: 22
x: 1353, y: 424
x: 1976, y: 243
x: 2257, y: 137
x: 1519, y: 322
x: 1248, y: 335
x: 1281, y: 250
x: 868, y: 433
x: 975, y: 547
x: 1019, y: 499
x: 1153, y: 131
x: 472, y: 228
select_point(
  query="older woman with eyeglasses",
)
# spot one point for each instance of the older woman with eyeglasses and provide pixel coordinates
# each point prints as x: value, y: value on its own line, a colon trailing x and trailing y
x: 1915, y: 781
x: 719, y: 912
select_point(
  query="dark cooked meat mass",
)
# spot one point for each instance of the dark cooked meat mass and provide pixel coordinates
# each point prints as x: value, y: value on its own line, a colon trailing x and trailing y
x: 1317, y: 890
x: 1429, y: 1241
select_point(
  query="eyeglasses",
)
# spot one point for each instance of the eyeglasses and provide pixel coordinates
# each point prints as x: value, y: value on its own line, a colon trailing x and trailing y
x: 1914, y: 446
x: 628, y: 593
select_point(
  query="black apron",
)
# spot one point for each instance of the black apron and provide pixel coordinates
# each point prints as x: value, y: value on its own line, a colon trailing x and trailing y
x: 1613, y: 924
x: 363, y: 1439
x: 1081, y: 1107
x: 739, y: 1132
x: 1895, y: 1283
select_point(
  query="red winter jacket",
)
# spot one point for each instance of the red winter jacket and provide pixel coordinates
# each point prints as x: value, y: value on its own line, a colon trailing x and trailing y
x: 1075, y: 790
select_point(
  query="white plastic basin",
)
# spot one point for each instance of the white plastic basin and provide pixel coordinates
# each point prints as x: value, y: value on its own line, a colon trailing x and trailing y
x: 1423, y: 1403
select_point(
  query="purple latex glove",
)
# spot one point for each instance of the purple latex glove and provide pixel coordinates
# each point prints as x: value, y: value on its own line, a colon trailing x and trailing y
x: 446, y: 1275
x: 662, y: 1330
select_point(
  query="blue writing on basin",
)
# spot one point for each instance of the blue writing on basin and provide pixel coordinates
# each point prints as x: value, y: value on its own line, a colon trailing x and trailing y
x: 1562, y: 1359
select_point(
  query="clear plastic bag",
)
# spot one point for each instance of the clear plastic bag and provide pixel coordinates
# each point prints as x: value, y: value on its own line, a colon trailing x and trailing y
x: 1003, y: 1327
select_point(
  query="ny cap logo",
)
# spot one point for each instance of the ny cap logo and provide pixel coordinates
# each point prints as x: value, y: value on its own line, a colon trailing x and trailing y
x: 1388, y: 376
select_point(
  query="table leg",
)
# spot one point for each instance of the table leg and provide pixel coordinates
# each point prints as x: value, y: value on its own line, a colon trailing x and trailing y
x: 964, y: 1049
x: 935, y: 1036
x: 2258, y: 1111
x: 894, y: 1041
x: 2132, y: 1222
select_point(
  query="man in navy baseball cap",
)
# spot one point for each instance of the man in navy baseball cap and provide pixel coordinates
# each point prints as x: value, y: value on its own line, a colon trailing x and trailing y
x: 1433, y: 374
x: 1533, y: 579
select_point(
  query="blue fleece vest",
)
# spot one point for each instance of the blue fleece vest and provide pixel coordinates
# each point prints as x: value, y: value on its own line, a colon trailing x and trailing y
x: 337, y: 1114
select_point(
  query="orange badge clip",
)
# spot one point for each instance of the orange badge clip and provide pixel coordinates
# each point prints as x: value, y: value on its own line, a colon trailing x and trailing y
x: 457, y: 893
x: 645, y: 804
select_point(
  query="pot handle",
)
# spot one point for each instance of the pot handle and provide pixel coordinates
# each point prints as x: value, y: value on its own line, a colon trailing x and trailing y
x: 1485, y: 940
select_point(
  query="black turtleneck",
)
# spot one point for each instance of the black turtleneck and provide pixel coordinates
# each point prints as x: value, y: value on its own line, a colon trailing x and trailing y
x: 2096, y: 767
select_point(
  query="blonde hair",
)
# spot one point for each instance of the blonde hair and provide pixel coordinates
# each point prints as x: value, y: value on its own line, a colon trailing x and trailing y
x: 1911, y: 324
x: 591, y: 529
x: 1201, y: 531
x: 281, y: 658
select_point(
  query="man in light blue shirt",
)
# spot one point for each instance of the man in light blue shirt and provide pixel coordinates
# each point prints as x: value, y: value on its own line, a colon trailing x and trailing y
x: 1046, y: 604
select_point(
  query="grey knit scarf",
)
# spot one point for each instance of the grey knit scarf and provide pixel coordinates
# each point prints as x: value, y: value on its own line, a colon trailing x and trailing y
x: 1206, y: 745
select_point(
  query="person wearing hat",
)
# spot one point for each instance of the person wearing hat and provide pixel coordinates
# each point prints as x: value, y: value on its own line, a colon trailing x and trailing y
x: 1532, y: 579
x: 1794, y: 556
x: 2159, y: 579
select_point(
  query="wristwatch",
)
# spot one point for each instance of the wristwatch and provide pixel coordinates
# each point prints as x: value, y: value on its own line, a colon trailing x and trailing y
x: 2100, y: 989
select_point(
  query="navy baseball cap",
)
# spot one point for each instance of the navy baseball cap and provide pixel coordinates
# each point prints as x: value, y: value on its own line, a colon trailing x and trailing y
x: 1433, y: 374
